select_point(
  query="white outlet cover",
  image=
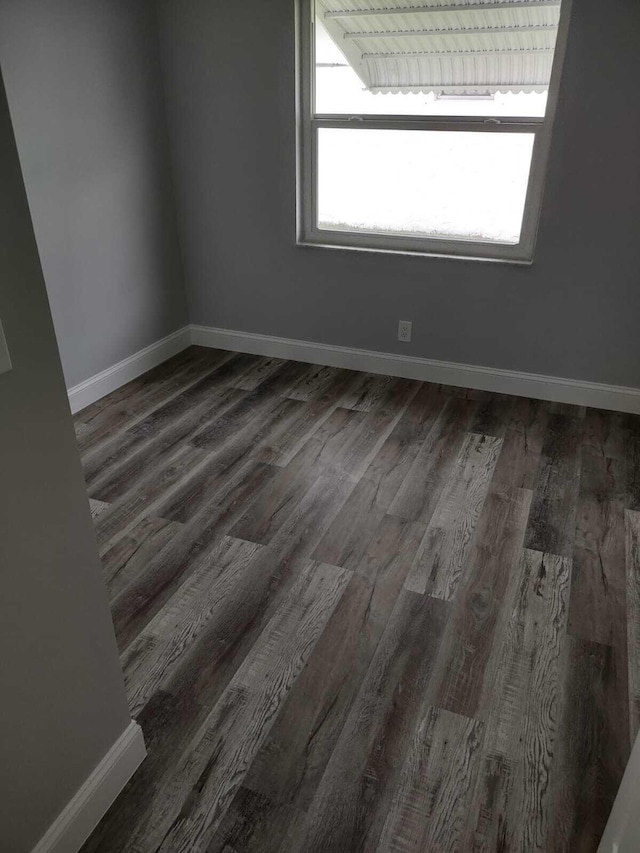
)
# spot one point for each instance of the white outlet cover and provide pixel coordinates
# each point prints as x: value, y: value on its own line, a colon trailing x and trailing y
x: 405, y: 328
x: 5, y: 358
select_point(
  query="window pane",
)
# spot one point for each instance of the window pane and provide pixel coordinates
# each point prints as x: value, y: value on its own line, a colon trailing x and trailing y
x: 461, y: 185
x: 470, y: 62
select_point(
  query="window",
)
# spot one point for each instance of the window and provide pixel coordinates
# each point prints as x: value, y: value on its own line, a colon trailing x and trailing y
x: 424, y: 125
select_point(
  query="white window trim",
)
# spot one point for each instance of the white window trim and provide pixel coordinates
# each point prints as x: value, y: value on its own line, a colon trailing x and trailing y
x: 308, y: 233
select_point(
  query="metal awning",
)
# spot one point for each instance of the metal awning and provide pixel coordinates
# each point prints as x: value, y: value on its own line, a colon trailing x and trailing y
x: 453, y: 47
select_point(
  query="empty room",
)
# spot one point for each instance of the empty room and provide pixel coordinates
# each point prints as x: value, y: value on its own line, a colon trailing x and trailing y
x: 319, y: 426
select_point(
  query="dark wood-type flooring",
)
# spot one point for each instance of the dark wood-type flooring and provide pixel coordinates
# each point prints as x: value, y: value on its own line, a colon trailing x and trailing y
x: 359, y: 613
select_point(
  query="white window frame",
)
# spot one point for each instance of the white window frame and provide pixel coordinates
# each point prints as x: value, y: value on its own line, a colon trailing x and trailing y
x: 309, y: 123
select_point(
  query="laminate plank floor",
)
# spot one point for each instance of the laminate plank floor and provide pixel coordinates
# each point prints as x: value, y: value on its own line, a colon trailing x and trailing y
x: 360, y: 613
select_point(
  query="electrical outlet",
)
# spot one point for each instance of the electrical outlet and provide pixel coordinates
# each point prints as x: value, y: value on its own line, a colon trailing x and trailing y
x: 404, y: 331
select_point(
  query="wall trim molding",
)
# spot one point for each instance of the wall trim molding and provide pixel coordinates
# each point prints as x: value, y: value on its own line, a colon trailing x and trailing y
x: 622, y: 832
x: 618, y: 398
x: 124, y: 371
x: 84, y: 811
x: 555, y: 389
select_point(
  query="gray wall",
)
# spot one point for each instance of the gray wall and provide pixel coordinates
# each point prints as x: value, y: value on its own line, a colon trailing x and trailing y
x: 229, y: 77
x: 85, y: 92
x: 63, y: 702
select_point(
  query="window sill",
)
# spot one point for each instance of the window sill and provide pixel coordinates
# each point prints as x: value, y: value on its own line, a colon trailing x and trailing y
x: 311, y: 244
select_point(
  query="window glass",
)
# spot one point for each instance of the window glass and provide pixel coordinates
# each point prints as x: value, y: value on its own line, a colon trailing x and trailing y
x: 494, y: 63
x: 469, y: 186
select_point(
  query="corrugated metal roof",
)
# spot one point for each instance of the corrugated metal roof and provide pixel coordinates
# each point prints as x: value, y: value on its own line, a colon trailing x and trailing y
x: 463, y: 46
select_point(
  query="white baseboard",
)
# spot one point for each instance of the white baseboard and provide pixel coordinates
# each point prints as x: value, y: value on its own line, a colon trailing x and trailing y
x: 108, y: 380
x: 83, y: 813
x: 615, y: 397
x: 580, y: 393
x: 622, y: 833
